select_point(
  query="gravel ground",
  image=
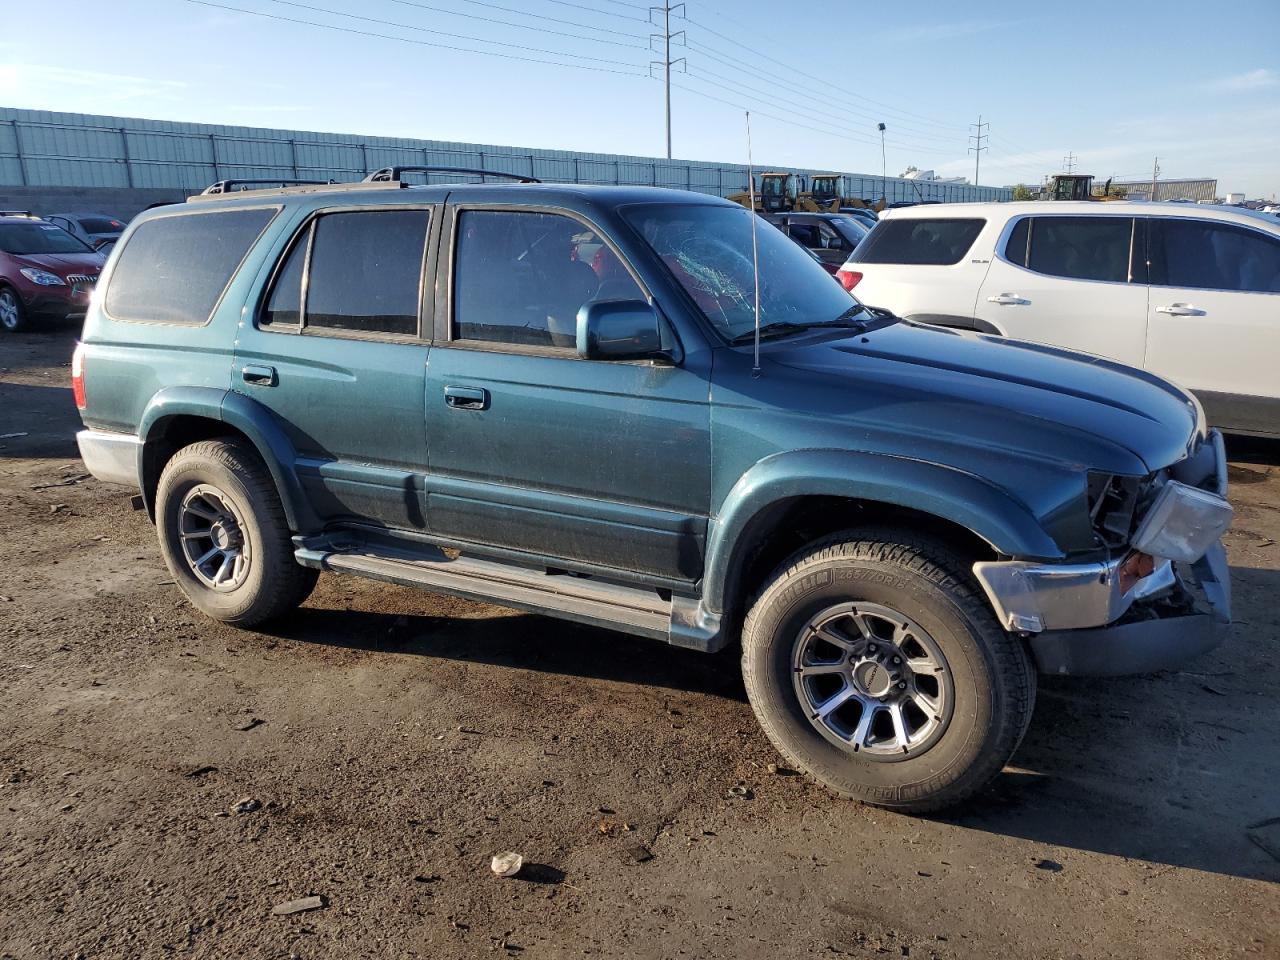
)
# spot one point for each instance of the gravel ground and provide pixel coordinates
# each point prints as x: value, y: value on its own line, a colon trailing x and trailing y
x: 393, y: 741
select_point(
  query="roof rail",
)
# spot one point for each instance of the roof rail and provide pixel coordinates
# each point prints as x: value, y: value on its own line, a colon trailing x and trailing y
x: 392, y: 174
x: 233, y: 186
x: 15, y: 213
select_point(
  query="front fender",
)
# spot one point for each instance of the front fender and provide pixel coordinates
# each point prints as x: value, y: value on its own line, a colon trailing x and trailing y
x: 962, y: 498
x: 247, y: 417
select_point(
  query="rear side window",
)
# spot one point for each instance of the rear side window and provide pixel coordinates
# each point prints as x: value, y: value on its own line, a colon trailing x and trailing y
x: 359, y: 272
x: 1078, y: 248
x: 174, y: 269
x: 940, y: 242
x: 1203, y: 255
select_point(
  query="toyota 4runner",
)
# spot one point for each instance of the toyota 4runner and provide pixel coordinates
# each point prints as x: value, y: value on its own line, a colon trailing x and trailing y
x: 562, y: 399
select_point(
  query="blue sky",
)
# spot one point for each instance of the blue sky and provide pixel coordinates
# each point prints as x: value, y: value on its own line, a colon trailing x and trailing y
x: 1116, y: 83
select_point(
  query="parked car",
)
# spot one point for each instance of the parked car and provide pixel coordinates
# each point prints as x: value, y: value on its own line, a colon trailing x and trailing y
x: 830, y: 236
x: 45, y: 272
x: 899, y: 524
x: 867, y: 217
x: 95, y: 229
x: 1188, y: 292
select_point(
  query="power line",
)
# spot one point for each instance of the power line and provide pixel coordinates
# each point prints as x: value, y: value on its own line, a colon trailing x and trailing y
x: 605, y: 13
x: 421, y: 43
x: 977, y: 146
x: 518, y: 12
x: 441, y: 33
x: 1069, y: 162
x: 666, y: 37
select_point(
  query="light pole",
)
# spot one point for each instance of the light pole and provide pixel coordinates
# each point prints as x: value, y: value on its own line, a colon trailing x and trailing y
x: 884, y: 168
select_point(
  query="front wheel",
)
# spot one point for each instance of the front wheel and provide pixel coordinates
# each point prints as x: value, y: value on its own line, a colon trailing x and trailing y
x: 13, y: 316
x: 875, y: 666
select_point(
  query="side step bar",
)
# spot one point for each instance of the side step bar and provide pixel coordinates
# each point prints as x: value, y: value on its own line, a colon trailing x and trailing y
x: 678, y: 620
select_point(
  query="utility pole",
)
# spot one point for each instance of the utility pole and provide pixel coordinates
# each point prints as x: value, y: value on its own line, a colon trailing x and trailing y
x: 1069, y: 162
x: 884, y: 168
x: 1155, y: 175
x: 666, y: 36
x: 977, y: 147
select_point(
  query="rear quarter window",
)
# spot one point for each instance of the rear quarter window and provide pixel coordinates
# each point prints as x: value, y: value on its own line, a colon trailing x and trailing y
x: 932, y: 242
x: 175, y: 268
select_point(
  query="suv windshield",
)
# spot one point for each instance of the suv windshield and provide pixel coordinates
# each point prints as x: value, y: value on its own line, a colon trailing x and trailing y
x: 38, y: 238
x: 708, y: 250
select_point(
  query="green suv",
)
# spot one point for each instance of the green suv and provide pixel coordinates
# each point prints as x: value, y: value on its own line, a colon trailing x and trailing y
x: 585, y: 402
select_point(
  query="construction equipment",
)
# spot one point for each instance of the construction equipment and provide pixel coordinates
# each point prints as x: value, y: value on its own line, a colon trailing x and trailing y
x: 787, y: 192
x: 1076, y: 186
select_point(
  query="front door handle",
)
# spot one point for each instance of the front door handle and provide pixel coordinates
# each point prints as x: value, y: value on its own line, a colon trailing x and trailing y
x: 1180, y: 310
x: 1008, y: 298
x: 259, y: 376
x: 466, y: 398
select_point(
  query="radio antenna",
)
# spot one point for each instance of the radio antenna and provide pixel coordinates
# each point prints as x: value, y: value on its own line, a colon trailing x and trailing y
x: 755, y: 250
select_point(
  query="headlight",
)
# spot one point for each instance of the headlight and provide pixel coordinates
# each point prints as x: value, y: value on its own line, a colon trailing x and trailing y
x: 1183, y: 523
x: 42, y: 277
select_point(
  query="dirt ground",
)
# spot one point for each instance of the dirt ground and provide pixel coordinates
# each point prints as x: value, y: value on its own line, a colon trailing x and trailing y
x: 396, y: 740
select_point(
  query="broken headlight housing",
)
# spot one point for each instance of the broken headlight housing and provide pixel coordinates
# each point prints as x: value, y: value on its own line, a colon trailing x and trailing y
x: 1182, y: 523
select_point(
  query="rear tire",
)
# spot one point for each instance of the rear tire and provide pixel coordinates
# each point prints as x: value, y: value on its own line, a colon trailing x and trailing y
x: 874, y: 665
x: 13, y: 315
x: 224, y: 535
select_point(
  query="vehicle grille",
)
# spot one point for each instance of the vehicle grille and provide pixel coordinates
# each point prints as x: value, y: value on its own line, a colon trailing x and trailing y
x: 81, y: 278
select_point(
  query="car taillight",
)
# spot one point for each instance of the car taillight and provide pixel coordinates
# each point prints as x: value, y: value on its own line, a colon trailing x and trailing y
x: 77, y: 376
x: 849, y: 279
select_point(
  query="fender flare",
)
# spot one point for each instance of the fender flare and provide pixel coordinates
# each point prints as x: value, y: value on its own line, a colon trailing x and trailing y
x: 248, y: 417
x: 962, y: 498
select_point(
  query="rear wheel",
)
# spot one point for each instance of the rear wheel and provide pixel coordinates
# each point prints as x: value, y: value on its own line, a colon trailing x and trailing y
x: 13, y: 316
x: 875, y: 666
x: 225, y: 537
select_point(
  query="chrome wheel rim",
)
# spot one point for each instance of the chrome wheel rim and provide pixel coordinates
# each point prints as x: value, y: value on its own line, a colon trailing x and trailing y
x: 213, y: 539
x: 872, y: 681
x: 8, y: 309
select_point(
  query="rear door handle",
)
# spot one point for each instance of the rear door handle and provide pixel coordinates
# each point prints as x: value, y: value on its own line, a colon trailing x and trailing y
x: 1008, y: 298
x: 1180, y: 310
x: 259, y: 376
x: 466, y: 398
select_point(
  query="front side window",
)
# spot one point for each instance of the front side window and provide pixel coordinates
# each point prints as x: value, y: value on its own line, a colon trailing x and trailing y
x: 173, y: 269
x: 521, y: 277
x: 1080, y: 248
x: 1200, y: 254
x: 940, y: 242
x: 364, y: 276
x: 707, y: 249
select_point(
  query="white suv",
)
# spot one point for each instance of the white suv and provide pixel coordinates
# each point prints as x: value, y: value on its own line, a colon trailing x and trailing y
x: 1189, y: 293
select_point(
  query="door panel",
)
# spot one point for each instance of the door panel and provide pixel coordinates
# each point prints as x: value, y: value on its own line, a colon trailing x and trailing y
x: 1219, y: 342
x: 1070, y: 288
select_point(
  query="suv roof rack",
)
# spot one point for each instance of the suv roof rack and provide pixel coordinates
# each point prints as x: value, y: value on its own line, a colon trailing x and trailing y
x: 392, y: 174
x: 232, y: 186
x: 16, y: 213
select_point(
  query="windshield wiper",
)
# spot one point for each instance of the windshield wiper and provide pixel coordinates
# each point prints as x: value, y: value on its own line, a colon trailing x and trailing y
x: 846, y: 320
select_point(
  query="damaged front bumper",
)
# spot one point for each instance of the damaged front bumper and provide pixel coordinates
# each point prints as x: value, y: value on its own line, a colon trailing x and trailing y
x: 1088, y: 619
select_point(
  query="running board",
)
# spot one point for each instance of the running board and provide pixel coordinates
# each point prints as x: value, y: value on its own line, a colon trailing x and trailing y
x: 678, y: 620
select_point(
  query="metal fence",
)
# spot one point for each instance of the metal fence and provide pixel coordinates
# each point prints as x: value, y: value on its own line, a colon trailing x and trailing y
x: 41, y: 148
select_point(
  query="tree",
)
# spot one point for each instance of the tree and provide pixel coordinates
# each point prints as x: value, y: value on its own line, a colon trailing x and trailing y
x: 1023, y: 192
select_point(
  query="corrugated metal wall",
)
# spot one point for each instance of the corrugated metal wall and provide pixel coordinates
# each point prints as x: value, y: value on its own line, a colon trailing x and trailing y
x: 1170, y: 189
x: 43, y: 148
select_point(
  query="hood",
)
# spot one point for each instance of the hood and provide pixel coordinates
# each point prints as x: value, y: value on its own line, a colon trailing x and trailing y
x: 62, y: 263
x: 932, y: 388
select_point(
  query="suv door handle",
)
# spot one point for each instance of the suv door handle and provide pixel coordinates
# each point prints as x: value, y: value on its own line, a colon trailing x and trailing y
x: 259, y: 376
x: 1180, y: 310
x: 1008, y: 298
x: 466, y: 398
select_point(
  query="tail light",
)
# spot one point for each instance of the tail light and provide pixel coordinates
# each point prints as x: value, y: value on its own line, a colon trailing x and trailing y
x: 77, y: 376
x: 849, y: 279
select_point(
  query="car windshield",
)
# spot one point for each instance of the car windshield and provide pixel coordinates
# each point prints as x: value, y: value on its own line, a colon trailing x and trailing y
x: 100, y: 225
x: 707, y: 248
x: 38, y: 237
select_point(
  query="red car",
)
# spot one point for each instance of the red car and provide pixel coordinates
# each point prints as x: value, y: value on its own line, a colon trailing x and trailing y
x: 44, y: 271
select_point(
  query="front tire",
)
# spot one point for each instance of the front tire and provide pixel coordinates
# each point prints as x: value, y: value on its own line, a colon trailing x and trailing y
x: 13, y: 315
x: 224, y: 535
x: 874, y: 665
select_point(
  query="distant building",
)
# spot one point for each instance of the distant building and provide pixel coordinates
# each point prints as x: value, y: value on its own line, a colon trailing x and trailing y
x: 1191, y: 189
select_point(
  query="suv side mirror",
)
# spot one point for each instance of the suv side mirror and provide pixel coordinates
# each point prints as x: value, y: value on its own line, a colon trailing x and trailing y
x: 620, y: 330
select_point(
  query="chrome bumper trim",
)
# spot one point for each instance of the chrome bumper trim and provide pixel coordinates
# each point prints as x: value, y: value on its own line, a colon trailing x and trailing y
x: 111, y: 457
